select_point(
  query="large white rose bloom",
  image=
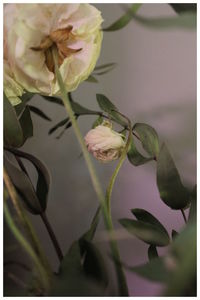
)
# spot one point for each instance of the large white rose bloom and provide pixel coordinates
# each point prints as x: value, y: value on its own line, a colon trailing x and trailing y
x: 104, y: 143
x: 32, y: 30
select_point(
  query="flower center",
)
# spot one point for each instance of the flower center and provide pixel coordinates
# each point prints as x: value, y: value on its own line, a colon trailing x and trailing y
x: 59, y: 39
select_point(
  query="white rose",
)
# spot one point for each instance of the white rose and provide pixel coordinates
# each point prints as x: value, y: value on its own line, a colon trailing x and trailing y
x: 104, y: 143
x: 32, y: 30
x: 12, y: 89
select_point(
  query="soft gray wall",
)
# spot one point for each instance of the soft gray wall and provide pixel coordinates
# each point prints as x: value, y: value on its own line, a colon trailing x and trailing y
x: 155, y: 83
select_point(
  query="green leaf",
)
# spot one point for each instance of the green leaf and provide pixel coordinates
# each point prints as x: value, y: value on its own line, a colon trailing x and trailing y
x: 154, y: 270
x: 97, y: 122
x: 26, y: 124
x: 183, y: 7
x: 172, y: 192
x: 124, y: 20
x: 80, y: 110
x: 23, y: 187
x: 92, y: 79
x: 71, y: 279
x: 152, y: 252
x: 174, y: 234
x: 145, y: 216
x: 193, y: 207
x: 59, y: 124
x: 39, y: 112
x: 13, y: 135
x: 43, y: 182
x: 53, y: 99
x: 104, y: 69
x: 94, y: 264
x: 148, y: 137
x: 183, y: 21
x: 146, y: 232
x: 27, y: 97
x: 135, y: 157
x: 106, y: 105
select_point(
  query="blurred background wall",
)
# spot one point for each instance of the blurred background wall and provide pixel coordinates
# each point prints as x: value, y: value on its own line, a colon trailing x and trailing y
x: 155, y: 83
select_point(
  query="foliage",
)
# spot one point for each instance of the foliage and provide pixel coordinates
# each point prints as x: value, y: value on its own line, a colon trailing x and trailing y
x: 82, y: 269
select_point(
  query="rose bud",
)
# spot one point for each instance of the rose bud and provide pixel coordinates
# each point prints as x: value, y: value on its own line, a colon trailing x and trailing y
x: 104, y: 143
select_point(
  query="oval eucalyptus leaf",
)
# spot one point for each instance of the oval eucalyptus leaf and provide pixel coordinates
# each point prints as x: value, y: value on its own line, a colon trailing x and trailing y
x: 152, y: 252
x: 58, y: 125
x: 39, y: 112
x: 149, y: 138
x: 135, y: 157
x: 146, y: 232
x: 172, y: 192
x: 193, y: 206
x: 13, y: 135
x: 145, y: 216
x: 154, y: 270
x: 26, y: 124
x: 124, y: 20
x: 183, y: 7
x: 24, y: 187
x: 106, y: 105
x: 94, y: 264
x: 97, y: 122
x: 80, y: 110
x: 92, y: 79
x: 43, y: 182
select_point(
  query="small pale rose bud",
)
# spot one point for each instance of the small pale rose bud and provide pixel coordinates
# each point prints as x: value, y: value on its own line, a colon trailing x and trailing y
x: 104, y: 143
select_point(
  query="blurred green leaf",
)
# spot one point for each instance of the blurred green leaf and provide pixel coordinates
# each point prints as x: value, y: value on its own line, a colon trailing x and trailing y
x: 182, y: 279
x: 59, y: 124
x: 125, y: 19
x: 39, y: 112
x: 174, y: 234
x: 43, y: 182
x: 97, y: 122
x: 89, y: 234
x: 185, y: 20
x: 172, y: 192
x: 23, y: 187
x: 148, y: 137
x: 80, y: 110
x: 26, y: 124
x: 106, y: 105
x: 53, y: 99
x: 71, y: 279
x: 146, y: 232
x: 154, y: 270
x: 13, y: 135
x: 27, y: 97
x: 103, y: 69
x: 92, y: 79
x: 152, y: 252
x: 184, y: 7
x: 135, y: 157
x: 94, y: 264
x: 145, y: 216
x: 193, y: 207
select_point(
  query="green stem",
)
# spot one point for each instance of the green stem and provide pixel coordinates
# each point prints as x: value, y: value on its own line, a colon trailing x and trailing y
x: 27, y: 247
x: 36, y: 248
x: 96, y: 184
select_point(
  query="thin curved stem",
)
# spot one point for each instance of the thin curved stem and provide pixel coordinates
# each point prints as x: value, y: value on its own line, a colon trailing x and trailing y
x: 93, y: 175
x: 44, y: 218
x: 35, y: 251
x: 52, y: 236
